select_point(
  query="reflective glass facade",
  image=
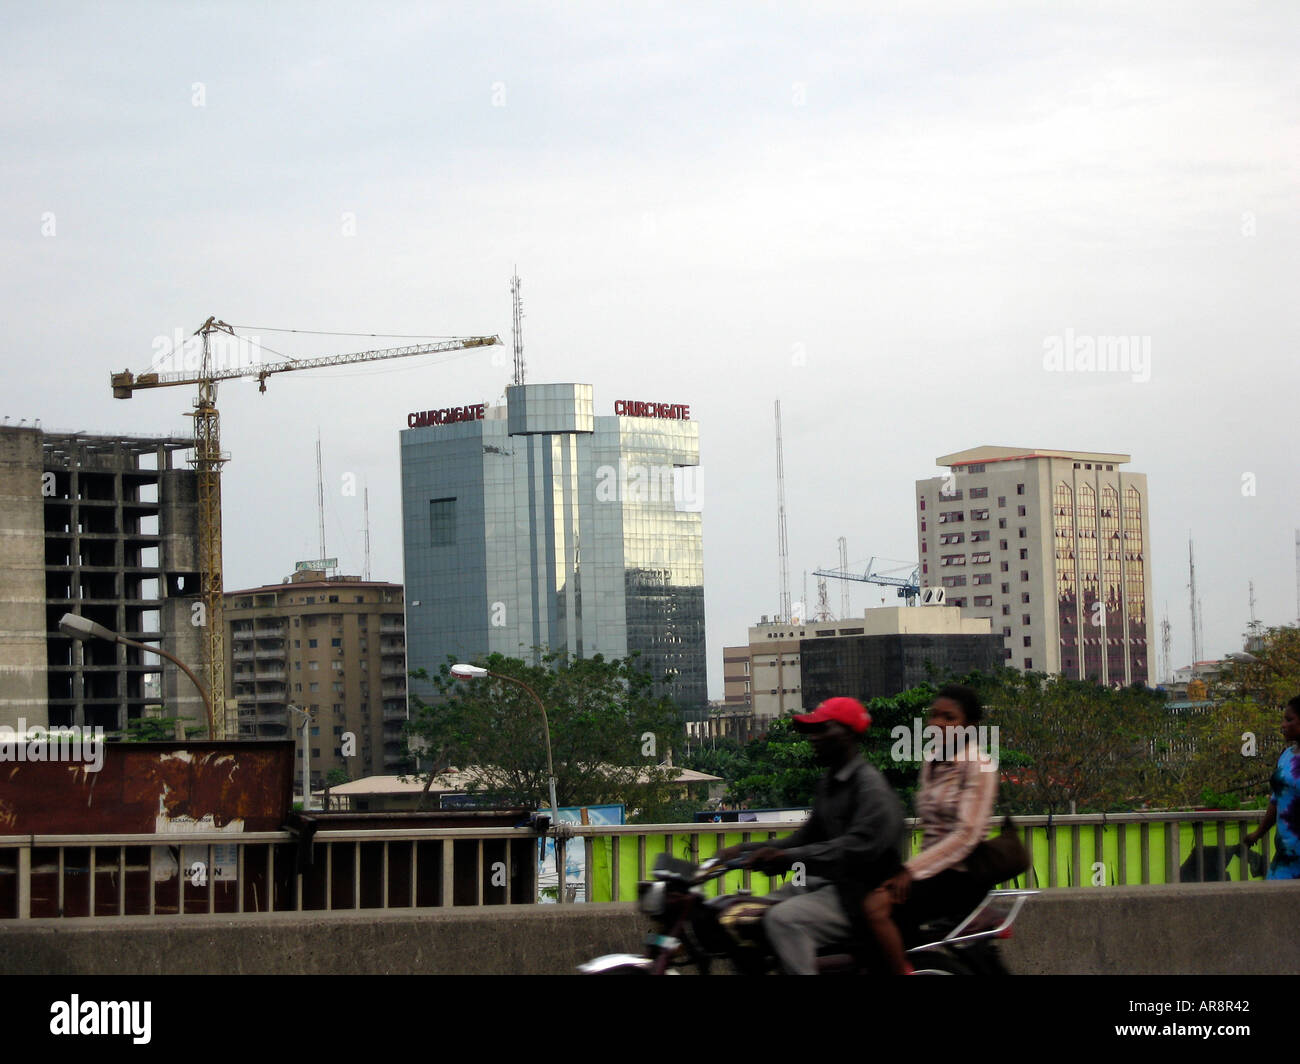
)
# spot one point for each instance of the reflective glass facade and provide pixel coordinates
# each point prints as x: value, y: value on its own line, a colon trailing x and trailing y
x: 545, y: 526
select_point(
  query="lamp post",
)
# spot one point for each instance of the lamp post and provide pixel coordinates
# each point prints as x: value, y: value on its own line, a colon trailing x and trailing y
x: 306, y: 756
x: 475, y: 672
x: 78, y: 627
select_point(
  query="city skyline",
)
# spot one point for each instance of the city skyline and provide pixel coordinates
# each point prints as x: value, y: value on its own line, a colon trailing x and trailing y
x: 923, y: 231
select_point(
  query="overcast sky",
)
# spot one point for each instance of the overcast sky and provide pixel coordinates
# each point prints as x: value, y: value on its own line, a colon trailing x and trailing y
x: 884, y: 215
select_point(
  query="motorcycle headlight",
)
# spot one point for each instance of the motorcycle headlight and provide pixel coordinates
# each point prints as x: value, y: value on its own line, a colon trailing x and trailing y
x: 651, y: 899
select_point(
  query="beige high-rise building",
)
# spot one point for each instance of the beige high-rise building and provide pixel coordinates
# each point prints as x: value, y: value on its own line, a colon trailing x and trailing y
x: 335, y: 647
x: 1053, y: 547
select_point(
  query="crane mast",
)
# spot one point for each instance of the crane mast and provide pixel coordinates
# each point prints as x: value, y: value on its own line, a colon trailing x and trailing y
x: 209, y: 458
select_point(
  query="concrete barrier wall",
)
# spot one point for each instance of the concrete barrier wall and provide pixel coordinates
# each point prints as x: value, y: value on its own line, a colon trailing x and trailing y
x: 1227, y: 928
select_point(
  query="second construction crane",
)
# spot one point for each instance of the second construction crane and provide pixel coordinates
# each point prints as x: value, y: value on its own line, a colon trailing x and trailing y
x: 209, y: 458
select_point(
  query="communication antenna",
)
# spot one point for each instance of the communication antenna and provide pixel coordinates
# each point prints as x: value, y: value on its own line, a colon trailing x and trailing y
x: 844, y: 588
x: 366, y: 503
x: 320, y: 497
x: 1196, y: 619
x: 517, y: 299
x: 782, y: 549
x: 1166, y: 646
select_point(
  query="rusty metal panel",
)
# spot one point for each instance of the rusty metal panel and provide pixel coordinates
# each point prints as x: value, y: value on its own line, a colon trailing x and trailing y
x: 142, y: 788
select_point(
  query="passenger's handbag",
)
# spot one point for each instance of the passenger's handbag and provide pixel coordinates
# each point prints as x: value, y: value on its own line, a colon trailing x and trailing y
x: 1000, y: 858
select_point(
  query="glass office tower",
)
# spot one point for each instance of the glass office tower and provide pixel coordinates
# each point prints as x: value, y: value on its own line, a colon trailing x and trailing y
x: 541, y: 525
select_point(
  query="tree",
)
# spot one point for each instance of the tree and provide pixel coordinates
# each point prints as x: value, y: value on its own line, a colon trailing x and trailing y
x: 159, y: 730
x: 1081, y: 747
x: 609, y: 736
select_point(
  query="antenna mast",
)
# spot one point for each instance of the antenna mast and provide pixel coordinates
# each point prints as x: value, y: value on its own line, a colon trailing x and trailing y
x: 1196, y: 626
x: 844, y: 588
x: 1166, y: 647
x: 366, y: 502
x: 517, y: 299
x: 320, y: 497
x: 782, y: 549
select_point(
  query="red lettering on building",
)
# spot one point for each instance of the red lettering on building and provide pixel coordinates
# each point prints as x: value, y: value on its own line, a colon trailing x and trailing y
x: 670, y: 411
x: 449, y: 416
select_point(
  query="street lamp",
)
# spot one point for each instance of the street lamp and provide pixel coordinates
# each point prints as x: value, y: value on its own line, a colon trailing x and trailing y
x: 306, y: 756
x: 475, y: 672
x: 78, y: 627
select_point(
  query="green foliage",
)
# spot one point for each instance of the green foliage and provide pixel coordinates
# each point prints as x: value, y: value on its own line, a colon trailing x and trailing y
x: 159, y: 730
x: 608, y: 735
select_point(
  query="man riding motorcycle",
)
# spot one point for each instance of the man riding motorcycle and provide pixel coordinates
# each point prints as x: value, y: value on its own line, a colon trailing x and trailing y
x: 850, y: 843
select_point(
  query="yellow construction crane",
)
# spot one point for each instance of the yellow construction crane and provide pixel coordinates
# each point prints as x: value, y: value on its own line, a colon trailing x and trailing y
x: 208, y: 461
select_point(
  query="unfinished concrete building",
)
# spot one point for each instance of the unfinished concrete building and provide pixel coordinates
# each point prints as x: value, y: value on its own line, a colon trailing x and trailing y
x: 107, y: 527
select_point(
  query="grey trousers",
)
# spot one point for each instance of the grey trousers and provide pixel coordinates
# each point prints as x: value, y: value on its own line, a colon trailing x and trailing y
x: 807, y: 918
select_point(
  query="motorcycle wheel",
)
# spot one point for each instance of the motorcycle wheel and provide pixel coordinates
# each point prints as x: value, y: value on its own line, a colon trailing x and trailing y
x: 944, y: 964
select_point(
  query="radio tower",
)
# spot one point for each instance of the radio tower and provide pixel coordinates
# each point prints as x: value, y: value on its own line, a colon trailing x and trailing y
x: 1196, y: 626
x: 515, y: 284
x: 782, y: 549
x: 1166, y: 647
x: 844, y: 587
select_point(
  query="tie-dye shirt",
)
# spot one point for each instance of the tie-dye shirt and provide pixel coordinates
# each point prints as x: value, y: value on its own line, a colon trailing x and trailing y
x: 1286, y: 796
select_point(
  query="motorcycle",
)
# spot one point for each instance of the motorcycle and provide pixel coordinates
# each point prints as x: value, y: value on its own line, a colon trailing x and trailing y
x: 699, y: 931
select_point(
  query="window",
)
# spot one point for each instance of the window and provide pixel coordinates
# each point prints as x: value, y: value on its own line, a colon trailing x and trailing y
x: 297, y: 666
x: 295, y: 624
x: 922, y: 551
x: 978, y: 467
x: 1024, y: 576
x: 338, y: 688
x: 442, y: 522
x: 953, y: 559
x: 1020, y: 511
x: 949, y: 516
x: 925, y: 568
x: 1002, y: 501
x: 982, y: 558
x: 361, y: 598
x: 979, y: 493
x: 923, y: 524
x: 1002, y: 544
x: 337, y: 665
x: 983, y: 578
x: 1024, y: 554
x: 952, y: 537
x: 979, y: 515
x: 1029, y: 662
x: 313, y: 666
x: 297, y: 644
x: 313, y: 687
x: 1006, y: 589
x: 1002, y: 522
x: 1024, y: 600
x: 923, y: 502
x: 979, y: 536
x: 957, y: 602
x: 298, y: 687
x: 1007, y: 654
x: 338, y: 729
x: 1006, y: 631
x: 1006, y: 611
x: 1004, y: 566
x: 311, y: 600
x: 311, y: 644
x: 1028, y: 640
x: 336, y: 642
x: 983, y: 600
x: 334, y: 598
x: 1024, y: 534
x: 1020, y: 489
x: 953, y: 581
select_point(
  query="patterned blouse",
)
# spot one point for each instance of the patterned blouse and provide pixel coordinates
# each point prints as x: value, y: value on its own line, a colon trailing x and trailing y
x: 1286, y: 796
x: 954, y: 801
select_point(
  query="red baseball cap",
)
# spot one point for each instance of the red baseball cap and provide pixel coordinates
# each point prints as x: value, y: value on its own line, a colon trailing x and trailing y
x: 847, y: 711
